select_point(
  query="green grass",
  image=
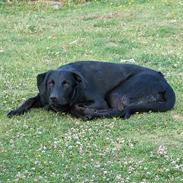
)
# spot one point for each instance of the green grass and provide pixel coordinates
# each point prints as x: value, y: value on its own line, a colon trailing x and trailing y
x: 47, y: 147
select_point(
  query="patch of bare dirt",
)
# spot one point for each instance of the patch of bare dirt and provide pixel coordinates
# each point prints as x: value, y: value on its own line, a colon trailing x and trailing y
x: 178, y: 117
x: 108, y: 16
x: 180, y: 74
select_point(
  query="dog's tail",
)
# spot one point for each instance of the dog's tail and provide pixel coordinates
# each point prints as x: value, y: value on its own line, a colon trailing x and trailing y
x: 169, y: 97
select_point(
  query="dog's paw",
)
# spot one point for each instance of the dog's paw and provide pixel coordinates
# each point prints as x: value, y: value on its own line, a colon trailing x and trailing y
x: 126, y: 114
x: 84, y: 112
x: 79, y: 107
x: 14, y: 113
x: 11, y: 113
x: 87, y: 117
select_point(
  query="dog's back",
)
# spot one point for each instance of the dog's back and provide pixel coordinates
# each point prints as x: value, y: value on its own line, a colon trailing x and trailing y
x: 104, y: 76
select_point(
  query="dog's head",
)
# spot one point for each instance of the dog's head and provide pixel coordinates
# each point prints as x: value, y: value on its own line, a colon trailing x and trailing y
x: 59, y: 89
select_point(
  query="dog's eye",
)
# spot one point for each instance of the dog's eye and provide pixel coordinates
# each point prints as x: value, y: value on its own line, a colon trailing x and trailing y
x: 51, y: 83
x: 65, y: 83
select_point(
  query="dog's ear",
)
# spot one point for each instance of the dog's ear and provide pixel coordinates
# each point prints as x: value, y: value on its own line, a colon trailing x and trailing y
x: 41, y: 84
x: 41, y: 81
x: 40, y: 78
x: 79, y: 79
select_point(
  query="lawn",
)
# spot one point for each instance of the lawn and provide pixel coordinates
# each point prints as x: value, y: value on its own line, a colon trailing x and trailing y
x: 42, y: 146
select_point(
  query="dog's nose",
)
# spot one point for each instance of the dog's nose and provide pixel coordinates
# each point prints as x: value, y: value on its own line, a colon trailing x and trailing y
x: 53, y: 99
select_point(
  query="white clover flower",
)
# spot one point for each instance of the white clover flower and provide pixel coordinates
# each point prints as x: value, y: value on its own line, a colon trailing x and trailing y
x: 162, y: 150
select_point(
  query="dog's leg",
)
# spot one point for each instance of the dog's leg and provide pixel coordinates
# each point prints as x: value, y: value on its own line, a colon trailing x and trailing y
x: 32, y: 102
x: 154, y: 106
x: 87, y: 113
x: 98, y: 103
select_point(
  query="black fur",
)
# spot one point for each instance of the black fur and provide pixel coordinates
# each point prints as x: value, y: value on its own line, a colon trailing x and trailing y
x: 91, y: 89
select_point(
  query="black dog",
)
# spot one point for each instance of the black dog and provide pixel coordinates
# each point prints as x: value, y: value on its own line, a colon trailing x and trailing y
x: 91, y: 89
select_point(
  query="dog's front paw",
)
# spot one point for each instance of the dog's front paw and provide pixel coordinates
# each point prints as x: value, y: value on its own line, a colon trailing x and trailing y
x: 15, y: 112
x: 126, y: 114
x: 87, y: 117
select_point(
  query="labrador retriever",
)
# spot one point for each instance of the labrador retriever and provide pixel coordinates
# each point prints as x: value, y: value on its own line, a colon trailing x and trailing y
x: 93, y: 89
